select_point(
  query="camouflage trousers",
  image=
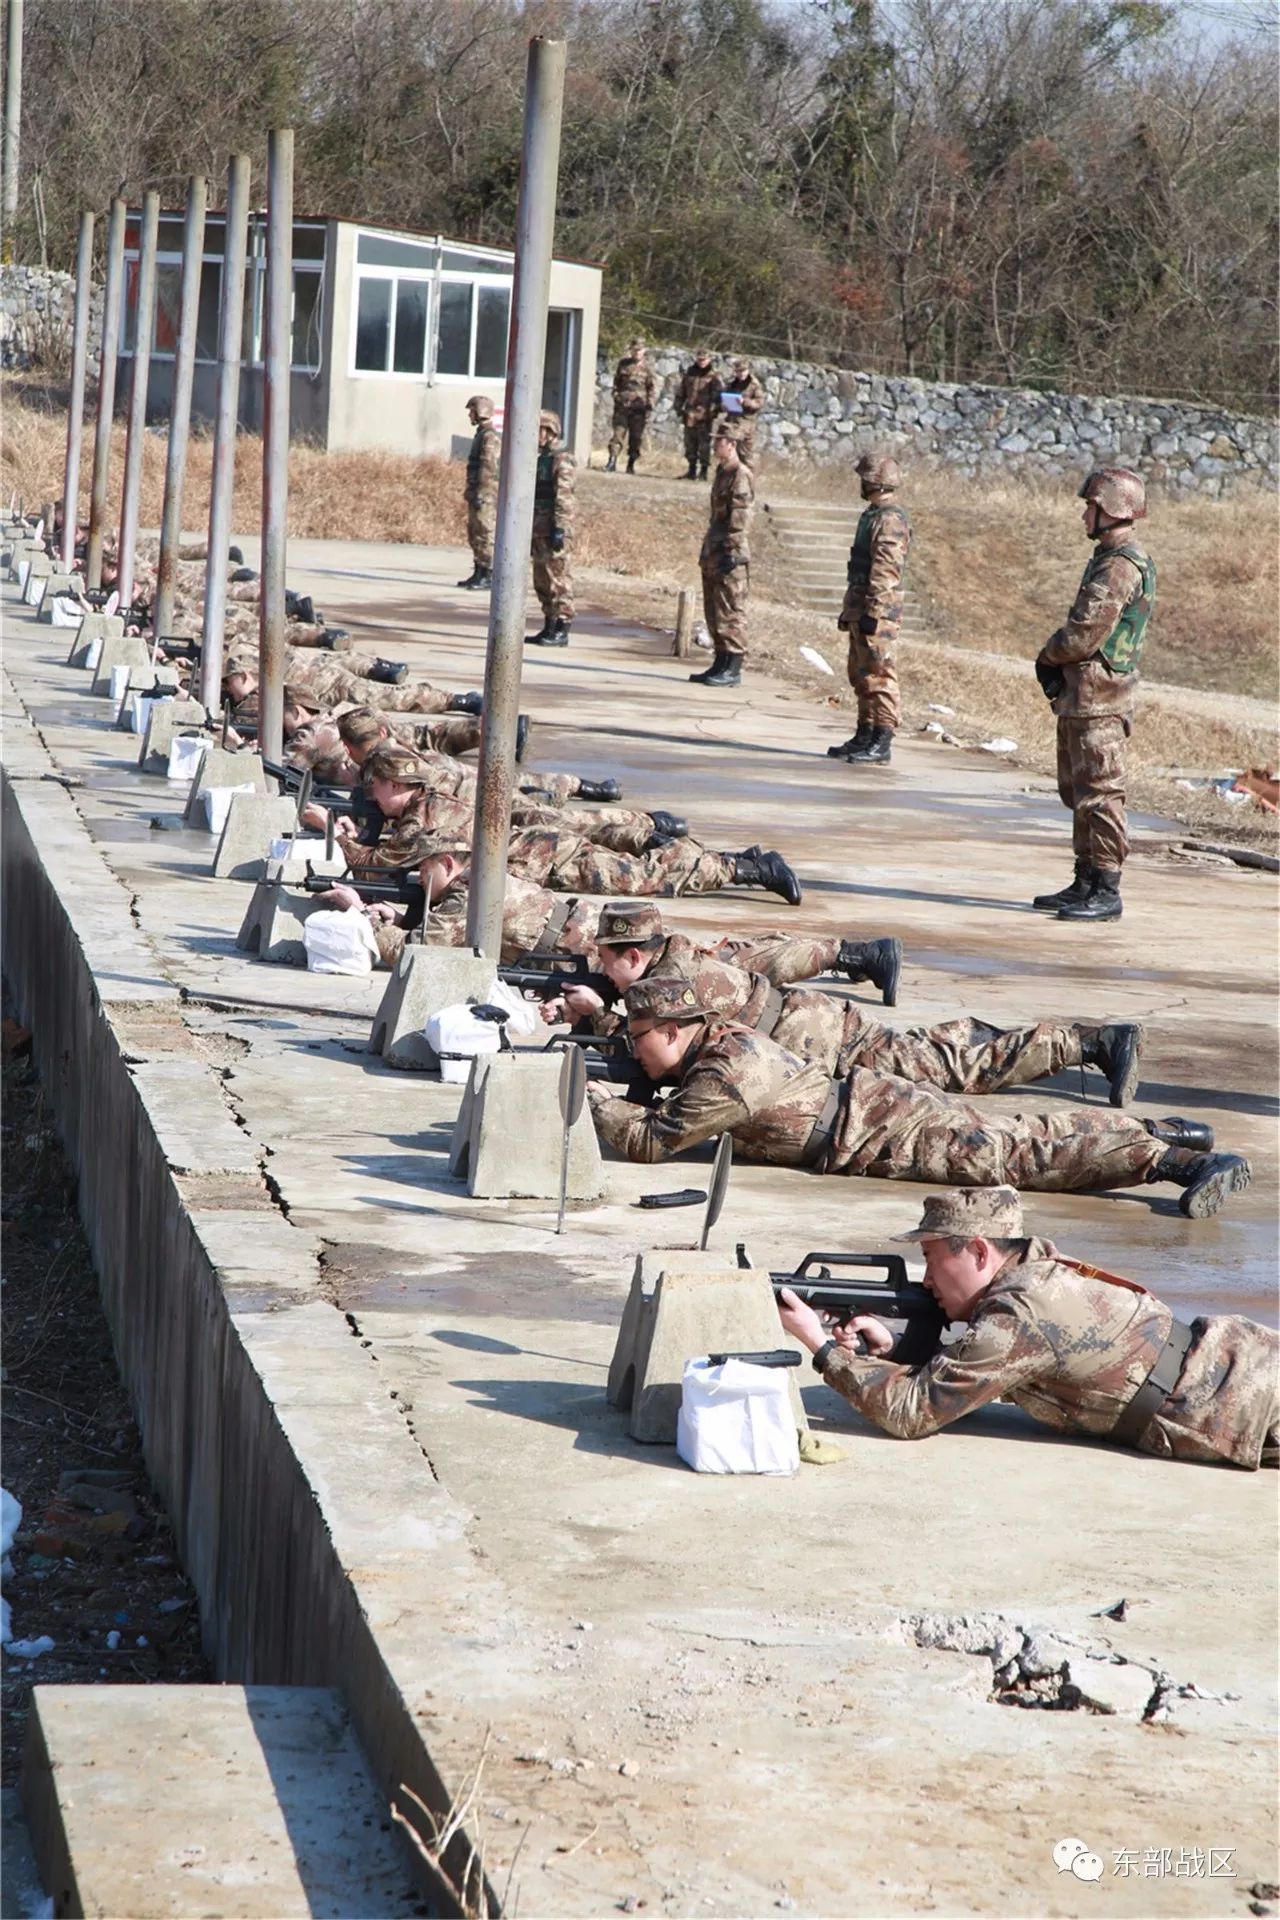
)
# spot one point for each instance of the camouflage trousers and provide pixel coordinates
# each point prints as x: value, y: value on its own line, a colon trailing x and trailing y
x: 895, y: 1131
x: 482, y: 519
x: 697, y: 444
x: 552, y: 576
x: 550, y: 789
x: 1091, y: 782
x: 959, y: 1056
x: 873, y: 675
x: 744, y: 437
x: 629, y: 423
x: 782, y: 958
x: 620, y: 829
x: 335, y: 685
x: 454, y: 734
x: 567, y: 863
x: 724, y: 603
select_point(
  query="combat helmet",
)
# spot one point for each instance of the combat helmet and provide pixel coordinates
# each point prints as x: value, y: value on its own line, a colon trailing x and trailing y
x: 1119, y: 491
x: 548, y: 419
x: 481, y: 405
x: 879, y: 471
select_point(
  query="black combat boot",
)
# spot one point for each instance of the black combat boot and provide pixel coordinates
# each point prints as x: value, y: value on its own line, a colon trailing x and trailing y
x: 1195, y: 1135
x: 691, y: 473
x: 554, y: 634
x: 537, y: 639
x: 483, y: 579
x: 876, y: 752
x: 611, y: 464
x: 472, y: 579
x: 599, y: 790
x: 702, y: 470
x: 235, y: 556
x: 700, y: 679
x: 666, y: 826
x: 756, y: 868
x: 856, y: 743
x: 390, y: 672
x: 727, y: 672
x: 304, y: 610
x: 631, y: 463
x: 1065, y: 896
x: 325, y: 641
x: 472, y: 703
x: 1208, y: 1179
x: 1114, y: 1051
x: 242, y: 574
x: 523, y: 724
x: 879, y: 961
x: 1103, y: 902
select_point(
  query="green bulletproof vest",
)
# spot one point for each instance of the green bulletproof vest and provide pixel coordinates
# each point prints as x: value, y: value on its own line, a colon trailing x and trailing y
x: 1121, y: 651
x: 476, y: 455
x: 544, y: 487
x: 860, y: 552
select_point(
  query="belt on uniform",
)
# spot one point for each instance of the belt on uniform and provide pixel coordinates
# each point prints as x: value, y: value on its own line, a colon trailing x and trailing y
x: 546, y: 941
x: 1155, y: 1389
x: 819, y: 1141
x: 770, y: 1012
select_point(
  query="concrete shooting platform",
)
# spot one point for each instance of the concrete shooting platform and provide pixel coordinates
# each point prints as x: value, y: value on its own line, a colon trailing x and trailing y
x: 702, y: 1696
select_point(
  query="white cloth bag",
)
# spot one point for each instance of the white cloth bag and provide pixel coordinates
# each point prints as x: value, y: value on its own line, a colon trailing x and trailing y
x: 455, y: 1036
x: 736, y: 1418
x: 339, y: 942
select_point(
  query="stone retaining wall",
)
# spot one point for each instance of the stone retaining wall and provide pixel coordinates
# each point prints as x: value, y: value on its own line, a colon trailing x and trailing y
x: 37, y: 316
x: 825, y: 415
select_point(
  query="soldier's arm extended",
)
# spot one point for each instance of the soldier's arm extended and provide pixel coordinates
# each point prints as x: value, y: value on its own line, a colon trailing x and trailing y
x: 565, y: 472
x: 1097, y: 607
x: 490, y: 450
x: 1004, y: 1349
x: 890, y: 538
x: 705, y: 1104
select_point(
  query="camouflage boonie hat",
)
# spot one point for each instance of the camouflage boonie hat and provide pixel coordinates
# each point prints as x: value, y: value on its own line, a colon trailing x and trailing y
x: 240, y: 660
x: 970, y: 1213
x: 741, y: 366
x: 663, y: 998
x: 393, y: 762
x: 296, y: 695
x: 628, y: 923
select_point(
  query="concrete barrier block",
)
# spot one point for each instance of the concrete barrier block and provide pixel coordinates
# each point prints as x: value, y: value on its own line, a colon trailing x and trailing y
x: 123, y: 650
x: 424, y: 980
x: 57, y: 583
x: 168, y: 718
x: 94, y: 627
x: 254, y: 820
x: 38, y: 578
x: 508, y: 1134
x: 272, y: 926
x: 220, y: 767
x: 692, y: 1304
x: 306, y: 855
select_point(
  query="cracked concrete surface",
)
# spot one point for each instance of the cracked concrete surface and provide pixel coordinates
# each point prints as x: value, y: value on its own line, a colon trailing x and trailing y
x: 698, y: 1693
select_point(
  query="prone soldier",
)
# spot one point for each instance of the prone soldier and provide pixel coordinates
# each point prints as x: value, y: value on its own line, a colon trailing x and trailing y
x: 872, y: 612
x: 725, y: 563
x: 635, y: 391
x: 790, y: 1112
x: 553, y: 535
x: 746, y: 399
x: 1089, y: 672
x: 481, y: 491
x: 697, y: 398
x: 1079, y: 1349
x: 331, y: 685
x: 363, y: 729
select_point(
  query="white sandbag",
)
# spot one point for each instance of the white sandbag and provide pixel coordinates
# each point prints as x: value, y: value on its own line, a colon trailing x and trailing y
x: 340, y: 942
x: 140, y: 706
x: 93, y: 655
x: 736, y: 1418
x: 455, y: 1036
x: 525, y: 1017
x: 65, y: 612
x: 185, y: 753
x: 34, y: 591
x: 119, y: 687
x: 215, y: 804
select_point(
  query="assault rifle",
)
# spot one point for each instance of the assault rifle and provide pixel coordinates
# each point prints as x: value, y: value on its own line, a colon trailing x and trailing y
x: 548, y: 974
x: 892, y: 1299
x: 335, y: 800
x: 607, y: 1056
x: 398, y: 888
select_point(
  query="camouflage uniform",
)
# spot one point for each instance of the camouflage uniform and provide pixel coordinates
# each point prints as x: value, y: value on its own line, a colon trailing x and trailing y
x: 697, y: 397
x: 743, y: 425
x: 635, y: 392
x: 481, y: 493
x: 789, y: 1112
x: 336, y: 685
x: 553, y: 513
x: 1095, y: 706
x: 1072, y: 1348
x: 724, y: 595
x: 533, y: 921
x: 872, y: 612
x: 569, y: 863
x: 450, y: 734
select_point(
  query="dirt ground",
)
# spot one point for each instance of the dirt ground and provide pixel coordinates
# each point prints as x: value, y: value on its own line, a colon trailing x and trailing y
x: 94, y: 1556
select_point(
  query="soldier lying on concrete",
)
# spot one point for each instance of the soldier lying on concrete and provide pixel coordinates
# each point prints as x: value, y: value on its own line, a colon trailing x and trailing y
x: 547, y: 849
x: 958, y: 1056
x: 633, y: 942
x: 790, y: 1112
x: 1082, y: 1350
x: 332, y: 686
x: 363, y: 729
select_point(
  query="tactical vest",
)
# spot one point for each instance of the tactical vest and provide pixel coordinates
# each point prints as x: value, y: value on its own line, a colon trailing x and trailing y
x: 476, y: 454
x: 544, y: 487
x: 1121, y: 651
x: 860, y: 552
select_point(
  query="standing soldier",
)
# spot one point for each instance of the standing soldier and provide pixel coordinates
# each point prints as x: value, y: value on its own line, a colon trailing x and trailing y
x: 726, y: 563
x: 552, y: 531
x: 481, y: 493
x: 1089, y: 671
x: 746, y: 397
x: 872, y: 612
x: 635, y: 389
x: 697, y: 398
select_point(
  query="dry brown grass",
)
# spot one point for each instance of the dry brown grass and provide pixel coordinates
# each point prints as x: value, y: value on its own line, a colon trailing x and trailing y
x: 995, y: 572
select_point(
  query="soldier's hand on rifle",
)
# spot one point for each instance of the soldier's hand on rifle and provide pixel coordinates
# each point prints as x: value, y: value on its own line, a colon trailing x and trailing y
x: 314, y: 816
x: 344, y: 827
x: 339, y: 896
x: 380, y: 909
x: 580, y: 1002
x: 553, y: 1011
x: 801, y: 1322
x: 876, y: 1337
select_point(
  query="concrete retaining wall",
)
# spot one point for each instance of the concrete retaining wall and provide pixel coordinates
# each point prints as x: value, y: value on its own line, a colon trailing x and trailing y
x: 826, y: 415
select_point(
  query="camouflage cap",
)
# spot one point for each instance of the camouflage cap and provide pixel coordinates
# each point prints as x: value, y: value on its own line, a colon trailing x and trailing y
x: 628, y: 923
x: 551, y: 420
x: 742, y: 366
x: 298, y: 695
x: 879, y: 471
x: 394, y: 762
x: 405, y: 854
x: 481, y: 405
x: 635, y: 346
x: 1119, y: 491
x: 971, y: 1213
x: 240, y: 660
x: 702, y: 353
x: 661, y: 997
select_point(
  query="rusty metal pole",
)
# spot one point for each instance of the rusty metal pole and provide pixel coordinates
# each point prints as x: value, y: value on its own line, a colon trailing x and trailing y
x: 75, y: 399
x: 184, y: 368
x: 225, y: 424
x: 145, y: 321
x: 526, y: 351
x: 106, y: 392
x: 276, y: 361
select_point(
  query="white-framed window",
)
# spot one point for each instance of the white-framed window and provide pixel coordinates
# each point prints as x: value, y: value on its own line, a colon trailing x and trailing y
x: 307, y: 300
x: 423, y: 311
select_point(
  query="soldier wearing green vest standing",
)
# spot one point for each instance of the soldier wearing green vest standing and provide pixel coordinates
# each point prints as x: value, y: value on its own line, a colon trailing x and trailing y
x: 1089, y: 672
x: 872, y: 612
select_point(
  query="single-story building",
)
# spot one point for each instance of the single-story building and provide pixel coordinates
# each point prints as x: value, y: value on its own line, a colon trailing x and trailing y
x: 392, y: 333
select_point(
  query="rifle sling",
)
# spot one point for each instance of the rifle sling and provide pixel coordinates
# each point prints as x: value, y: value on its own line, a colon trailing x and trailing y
x: 818, y: 1145
x: 1155, y: 1389
x: 770, y: 1012
x: 546, y: 941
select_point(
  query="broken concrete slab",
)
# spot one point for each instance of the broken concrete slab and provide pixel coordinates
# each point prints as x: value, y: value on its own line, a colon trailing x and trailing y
x: 508, y: 1138
x: 425, y: 980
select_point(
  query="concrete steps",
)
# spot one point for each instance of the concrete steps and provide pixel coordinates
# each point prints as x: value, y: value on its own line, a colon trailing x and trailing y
x: 812, y: 544
x: 185, y: 1801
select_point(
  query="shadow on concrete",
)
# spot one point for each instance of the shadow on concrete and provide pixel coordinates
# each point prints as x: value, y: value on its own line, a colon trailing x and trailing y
x: 483, y: 1343
x: 582, y: 1410
x: 1267, y: 1105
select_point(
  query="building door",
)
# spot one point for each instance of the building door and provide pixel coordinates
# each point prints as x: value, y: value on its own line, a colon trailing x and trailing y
x: 560, y: 368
